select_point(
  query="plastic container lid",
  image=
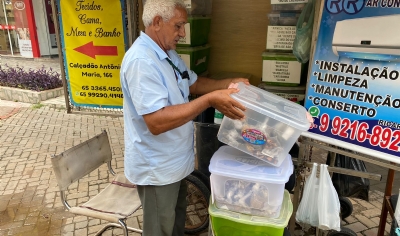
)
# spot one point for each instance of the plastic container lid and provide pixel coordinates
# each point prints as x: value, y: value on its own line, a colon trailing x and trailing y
x: 273, y: 106
x: 279, y: 222
x: 283, y: 89
x: 230, y: 162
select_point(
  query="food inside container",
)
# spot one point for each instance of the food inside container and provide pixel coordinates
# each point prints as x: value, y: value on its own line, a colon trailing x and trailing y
x: 244, y: 184
x: 270, y: 128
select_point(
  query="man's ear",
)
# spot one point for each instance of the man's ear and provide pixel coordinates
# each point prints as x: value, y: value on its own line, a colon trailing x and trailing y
x: 157, y: 22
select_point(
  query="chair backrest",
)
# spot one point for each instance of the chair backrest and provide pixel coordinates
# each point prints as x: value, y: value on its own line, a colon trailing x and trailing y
x: 80, y: 160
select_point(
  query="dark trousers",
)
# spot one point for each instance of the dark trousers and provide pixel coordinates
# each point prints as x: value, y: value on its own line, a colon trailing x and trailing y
x: 164, y: 209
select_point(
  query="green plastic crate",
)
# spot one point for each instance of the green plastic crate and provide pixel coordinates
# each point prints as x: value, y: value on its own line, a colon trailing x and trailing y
x: 195, y: 58
x: 197, y: 30
x: 230, y: 223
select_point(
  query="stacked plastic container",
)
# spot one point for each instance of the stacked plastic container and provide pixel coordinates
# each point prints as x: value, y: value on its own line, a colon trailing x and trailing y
x: 248, y: 176
x: 193, y: 48
x: 280, y: 66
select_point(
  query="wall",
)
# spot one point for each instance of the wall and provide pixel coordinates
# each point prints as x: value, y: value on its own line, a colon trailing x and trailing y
x: 238, y: 36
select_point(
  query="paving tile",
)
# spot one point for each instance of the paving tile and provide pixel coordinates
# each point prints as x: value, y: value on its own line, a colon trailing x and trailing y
x: 357, y: 227
x: 371, y: 232
x: 366, y: 221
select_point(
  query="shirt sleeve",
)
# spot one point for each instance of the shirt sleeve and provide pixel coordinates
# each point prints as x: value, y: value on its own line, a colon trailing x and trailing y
x: 146, y: 86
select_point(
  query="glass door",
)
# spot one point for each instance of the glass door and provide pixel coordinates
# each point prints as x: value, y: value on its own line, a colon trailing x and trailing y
x: 5, y: 39
x: 14, y: 30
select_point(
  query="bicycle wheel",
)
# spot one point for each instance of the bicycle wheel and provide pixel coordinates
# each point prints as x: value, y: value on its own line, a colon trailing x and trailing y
x: 202, y: 177
x: 346, y: 207
x: 197, y: 198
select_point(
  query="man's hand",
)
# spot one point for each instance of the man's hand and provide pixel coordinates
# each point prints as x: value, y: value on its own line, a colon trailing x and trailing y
x: 237, y: 80
x: 223, y: 102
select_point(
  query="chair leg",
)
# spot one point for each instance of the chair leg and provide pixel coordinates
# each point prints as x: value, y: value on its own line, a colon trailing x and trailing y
x: 121, y: 225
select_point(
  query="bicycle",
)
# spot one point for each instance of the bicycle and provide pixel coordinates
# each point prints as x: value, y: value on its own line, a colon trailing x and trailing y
x: 197, y: 198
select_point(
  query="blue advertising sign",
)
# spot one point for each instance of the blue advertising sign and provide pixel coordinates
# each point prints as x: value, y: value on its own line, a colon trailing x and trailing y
x: 354, y: 86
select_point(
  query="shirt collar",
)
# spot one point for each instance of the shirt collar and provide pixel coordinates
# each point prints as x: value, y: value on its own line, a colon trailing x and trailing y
x: 149, y: 41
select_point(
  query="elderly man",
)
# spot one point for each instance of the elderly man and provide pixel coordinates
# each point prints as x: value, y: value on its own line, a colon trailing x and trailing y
x: 159, y: 133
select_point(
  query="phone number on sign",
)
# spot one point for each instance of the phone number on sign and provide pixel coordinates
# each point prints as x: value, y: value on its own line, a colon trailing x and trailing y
x: 379, y: 136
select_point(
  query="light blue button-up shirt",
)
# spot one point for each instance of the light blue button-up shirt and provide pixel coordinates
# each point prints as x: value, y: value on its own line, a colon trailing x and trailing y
x: 149, y: 84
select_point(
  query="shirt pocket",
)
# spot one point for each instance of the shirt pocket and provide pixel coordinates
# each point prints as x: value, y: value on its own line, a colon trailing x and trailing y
x: 184, y: 88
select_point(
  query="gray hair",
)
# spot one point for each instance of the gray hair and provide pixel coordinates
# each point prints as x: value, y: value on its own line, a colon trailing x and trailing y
x: 163, y: 8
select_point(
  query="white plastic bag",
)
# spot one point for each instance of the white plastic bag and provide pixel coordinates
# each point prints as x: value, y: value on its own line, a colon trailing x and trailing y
x: 328, y: 202
x: 307, y: 212
x: 319, y: 206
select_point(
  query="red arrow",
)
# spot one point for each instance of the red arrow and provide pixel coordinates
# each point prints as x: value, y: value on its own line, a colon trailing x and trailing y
x: 90, y: 50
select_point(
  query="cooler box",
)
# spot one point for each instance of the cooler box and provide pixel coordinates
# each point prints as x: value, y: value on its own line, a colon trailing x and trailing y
x: 197, y: 30
x: 294, y: 94
x: 195, y: 58
x: 283, y: 18
x: 235, y: 224
x: 281, y: 69
x: 271, y: 125
x: 244, y: 184
x: 294, y: 7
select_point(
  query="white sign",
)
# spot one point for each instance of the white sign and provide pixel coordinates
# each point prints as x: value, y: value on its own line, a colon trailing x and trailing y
x: 186, y: 59
x: 188, y: 3
x: 281, y: 37
x: 25, y: 48
x: 281, y: 71
x: 186, y: 39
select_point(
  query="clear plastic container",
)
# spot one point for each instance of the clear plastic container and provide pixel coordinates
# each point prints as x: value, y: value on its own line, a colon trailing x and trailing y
x: 271, y: 125
x: 244, y: 184
x: 225, y: 222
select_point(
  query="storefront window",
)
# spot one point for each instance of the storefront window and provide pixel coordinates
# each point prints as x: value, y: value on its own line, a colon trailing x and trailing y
x: 14, y: 30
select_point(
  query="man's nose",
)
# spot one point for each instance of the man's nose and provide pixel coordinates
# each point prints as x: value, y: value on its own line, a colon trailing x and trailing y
x: 182, y: 32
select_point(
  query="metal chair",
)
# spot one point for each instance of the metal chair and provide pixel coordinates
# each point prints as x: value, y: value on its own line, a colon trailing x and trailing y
x: 116, y: 202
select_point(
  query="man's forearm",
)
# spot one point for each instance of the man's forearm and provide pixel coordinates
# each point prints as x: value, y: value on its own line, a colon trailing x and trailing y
x: 171, y: 117
x: 205, y: 85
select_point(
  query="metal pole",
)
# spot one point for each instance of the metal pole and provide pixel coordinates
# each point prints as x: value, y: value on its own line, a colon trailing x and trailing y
x: 8, y: 30
x: 129, y: 12
x: 60, y: 54
x: 388, y: 192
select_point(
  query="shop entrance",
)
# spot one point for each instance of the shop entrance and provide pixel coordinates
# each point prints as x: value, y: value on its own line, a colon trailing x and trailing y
x: 14, y: 31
